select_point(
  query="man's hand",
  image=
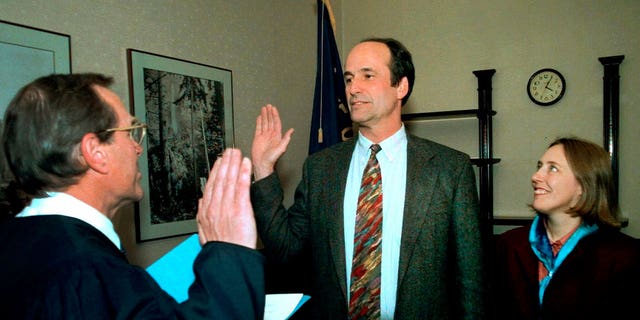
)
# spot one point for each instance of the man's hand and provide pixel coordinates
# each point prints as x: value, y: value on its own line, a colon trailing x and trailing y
x: 268, y: 142
x: 224, y: 211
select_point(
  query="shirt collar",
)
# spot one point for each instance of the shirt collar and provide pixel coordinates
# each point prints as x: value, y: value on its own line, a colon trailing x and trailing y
x: 391, y: 146
x: 58, y: 203
x: 557, y: 245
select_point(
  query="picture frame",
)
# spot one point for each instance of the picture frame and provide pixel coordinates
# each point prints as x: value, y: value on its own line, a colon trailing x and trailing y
x: 188, y: 109
x: 27, y: 53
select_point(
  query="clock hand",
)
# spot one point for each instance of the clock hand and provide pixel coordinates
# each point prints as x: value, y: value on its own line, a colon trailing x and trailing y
x: 546, y: 86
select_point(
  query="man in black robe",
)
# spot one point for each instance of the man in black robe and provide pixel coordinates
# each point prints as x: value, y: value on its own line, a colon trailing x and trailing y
x: 73, y: 147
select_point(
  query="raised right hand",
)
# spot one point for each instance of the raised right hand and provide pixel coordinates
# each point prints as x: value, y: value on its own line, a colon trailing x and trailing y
x: 224, y: 211
x: 269, y: 144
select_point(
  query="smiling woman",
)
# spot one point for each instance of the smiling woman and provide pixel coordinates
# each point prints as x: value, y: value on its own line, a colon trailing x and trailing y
x: 573, y: 247
x: 556, y: 189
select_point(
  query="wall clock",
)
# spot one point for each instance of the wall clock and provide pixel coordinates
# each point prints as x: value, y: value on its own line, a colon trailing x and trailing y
x: 546, y: 87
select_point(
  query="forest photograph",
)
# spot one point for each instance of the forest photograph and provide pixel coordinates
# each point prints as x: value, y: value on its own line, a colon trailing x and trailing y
x: 186, y: 133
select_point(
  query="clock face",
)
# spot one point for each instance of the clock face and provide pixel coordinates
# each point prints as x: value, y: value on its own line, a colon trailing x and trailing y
x: 546, y: 87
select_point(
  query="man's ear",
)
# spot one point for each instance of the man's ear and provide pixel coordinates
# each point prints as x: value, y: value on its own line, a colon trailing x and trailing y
x: 93, y: 152
x: 403, y: 87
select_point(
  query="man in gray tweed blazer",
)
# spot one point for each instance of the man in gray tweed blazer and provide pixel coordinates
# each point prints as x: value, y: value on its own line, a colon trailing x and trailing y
x: 432, y: 242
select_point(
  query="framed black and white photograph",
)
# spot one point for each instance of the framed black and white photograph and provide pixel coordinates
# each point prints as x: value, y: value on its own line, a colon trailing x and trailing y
x: 188, y: 109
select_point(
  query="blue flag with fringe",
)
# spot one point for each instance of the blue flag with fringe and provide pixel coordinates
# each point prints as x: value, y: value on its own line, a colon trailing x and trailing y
x: 330, y: 122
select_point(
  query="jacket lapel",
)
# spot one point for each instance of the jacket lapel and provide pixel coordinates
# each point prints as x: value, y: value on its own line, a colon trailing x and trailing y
x: 341, y: 157
x: 527, y: 259
x: 421, y: 177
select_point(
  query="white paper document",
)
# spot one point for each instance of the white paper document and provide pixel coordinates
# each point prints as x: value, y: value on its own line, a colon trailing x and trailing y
x: 281, y: 306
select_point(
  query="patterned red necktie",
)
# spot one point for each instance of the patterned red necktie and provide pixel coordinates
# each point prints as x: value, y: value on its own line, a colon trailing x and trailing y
x: 367, y: 253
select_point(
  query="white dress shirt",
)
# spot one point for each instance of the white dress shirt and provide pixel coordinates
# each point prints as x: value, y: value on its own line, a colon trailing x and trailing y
x: 393, y: 165
x: 63, y: 204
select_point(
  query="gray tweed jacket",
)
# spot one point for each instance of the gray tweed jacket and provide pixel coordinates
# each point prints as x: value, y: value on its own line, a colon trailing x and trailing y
x: 441, y: 269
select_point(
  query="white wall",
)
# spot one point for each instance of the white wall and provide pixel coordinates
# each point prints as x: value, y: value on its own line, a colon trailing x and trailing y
x: 450, y: 39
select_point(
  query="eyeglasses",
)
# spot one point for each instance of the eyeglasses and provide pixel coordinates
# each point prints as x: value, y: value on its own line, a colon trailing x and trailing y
x: 137, y: 130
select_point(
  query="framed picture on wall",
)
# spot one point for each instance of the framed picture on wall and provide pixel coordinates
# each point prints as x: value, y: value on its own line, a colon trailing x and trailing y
x: 188, y: 109
x: 27, y: 53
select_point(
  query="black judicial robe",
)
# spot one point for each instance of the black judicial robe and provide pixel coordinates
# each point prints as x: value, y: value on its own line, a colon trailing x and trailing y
x: 57, y: 267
